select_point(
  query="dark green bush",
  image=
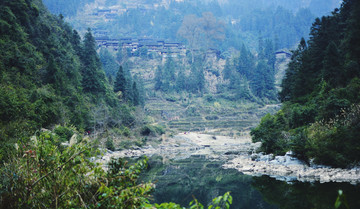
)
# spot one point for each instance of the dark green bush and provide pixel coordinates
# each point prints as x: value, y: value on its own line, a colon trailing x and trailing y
x: 159, y: 130
x: 270, y: 134
x: 64, y: 133
x: 148, y: 130
x: 110, y: 144
x: 125, y: 144
x: 212, y: 117
x: 171, y: 98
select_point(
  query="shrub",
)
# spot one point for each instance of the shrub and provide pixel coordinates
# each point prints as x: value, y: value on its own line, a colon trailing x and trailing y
x: 64, y: 133
x: 212, y: 117
x: 125, y: 131
x: 270, y: 134
x: 159, y: 130
x: 125, y: 144
x: 39, y: 175
x: 336, y: 142
x: 171, y: 98
x: 210, y: 98
x: 149, y: 130
x: 192, y: 111
x: 110, y: 144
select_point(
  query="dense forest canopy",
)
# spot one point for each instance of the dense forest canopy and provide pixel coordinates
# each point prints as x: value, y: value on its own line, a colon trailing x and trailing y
x: 320, y: 92
x: 49, y: 75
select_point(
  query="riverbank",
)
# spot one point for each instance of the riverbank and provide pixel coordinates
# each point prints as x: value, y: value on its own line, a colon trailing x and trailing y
x: 288, y: 168
x: 185, y: 145
x: 238, y: 153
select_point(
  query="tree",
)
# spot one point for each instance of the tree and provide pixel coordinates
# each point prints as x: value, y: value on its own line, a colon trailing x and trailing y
x: 212, y: 29
x: 201, y: 33
x: 120, y: 81
x: 141, y: 90
x: 108, y: 62
x: 332, y: 71
x: 93, y: 77
x: 158, y: 79
x: 136, y: 96
x: 181, y: 82
x: 169, y: 70
x: 190, y: 30
x: 76, y: 42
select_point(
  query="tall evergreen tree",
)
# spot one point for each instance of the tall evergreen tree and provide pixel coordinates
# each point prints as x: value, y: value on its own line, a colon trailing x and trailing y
x: 158, y: 79
x: 93, y: 77
x: 332, y: 71
x: 120, y: 81
x: 169, y: 70
x: 76, y: 42
x: 141, y: 90
x: 181, y: 82
x: 136, y: 95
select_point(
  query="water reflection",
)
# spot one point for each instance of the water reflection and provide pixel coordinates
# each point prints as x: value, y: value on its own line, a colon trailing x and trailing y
x: 178, y: 181
x: 305, y: 195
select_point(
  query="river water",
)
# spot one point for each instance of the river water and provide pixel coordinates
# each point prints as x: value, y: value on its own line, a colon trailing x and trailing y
x: 180, y: 180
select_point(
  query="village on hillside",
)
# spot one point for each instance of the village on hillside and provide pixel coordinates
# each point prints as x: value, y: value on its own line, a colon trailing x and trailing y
x: 148, y: 45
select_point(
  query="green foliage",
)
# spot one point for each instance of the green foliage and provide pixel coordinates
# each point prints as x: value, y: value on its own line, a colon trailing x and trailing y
x: 158, y: 78
x: 122, y: 190
x: 321, y: 95
x: 212, y: 117
x: 43, y: 175
x: 93, y: 78
x: 136, y: 94
x: 152, y: 130
x: 280, y: 20
x: 120, y: 81
x: 170, y: 98
x: 110, y: 144
x: 341, y: 200
x: 50, y: 76
x: 335, y: 142
x: 269, y: 133
x: 221, y: 202
x: 127, y: 90
x: 109, y: 63
x: 40, y: 175
x: 252, y: 79
x: 127, y: 115
x: 125, y: 144
x: 192, y: 110
x: 65, y: 133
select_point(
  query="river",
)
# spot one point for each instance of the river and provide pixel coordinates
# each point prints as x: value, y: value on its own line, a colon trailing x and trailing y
x: 192, y: 165
x: 179, y: 180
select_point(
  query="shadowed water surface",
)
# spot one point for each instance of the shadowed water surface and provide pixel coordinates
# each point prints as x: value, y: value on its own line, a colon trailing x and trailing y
x: 178, y: 181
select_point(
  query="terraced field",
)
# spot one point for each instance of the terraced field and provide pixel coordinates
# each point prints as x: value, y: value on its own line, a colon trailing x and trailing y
x: 196, y: 114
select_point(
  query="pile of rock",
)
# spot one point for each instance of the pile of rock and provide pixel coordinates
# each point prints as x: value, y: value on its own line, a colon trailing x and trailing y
x: 289, y: 168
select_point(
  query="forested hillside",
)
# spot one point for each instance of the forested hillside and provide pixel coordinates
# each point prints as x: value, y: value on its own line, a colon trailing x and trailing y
x: 245, y: 21
x: 49, y: 75
x: 283, y: 26
x: 65, y: 7
x: 319, y: 119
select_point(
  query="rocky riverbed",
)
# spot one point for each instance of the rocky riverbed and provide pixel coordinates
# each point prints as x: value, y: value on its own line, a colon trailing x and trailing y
x: 238, y: 153
x: 288, y: 168
x: 185, y: 145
